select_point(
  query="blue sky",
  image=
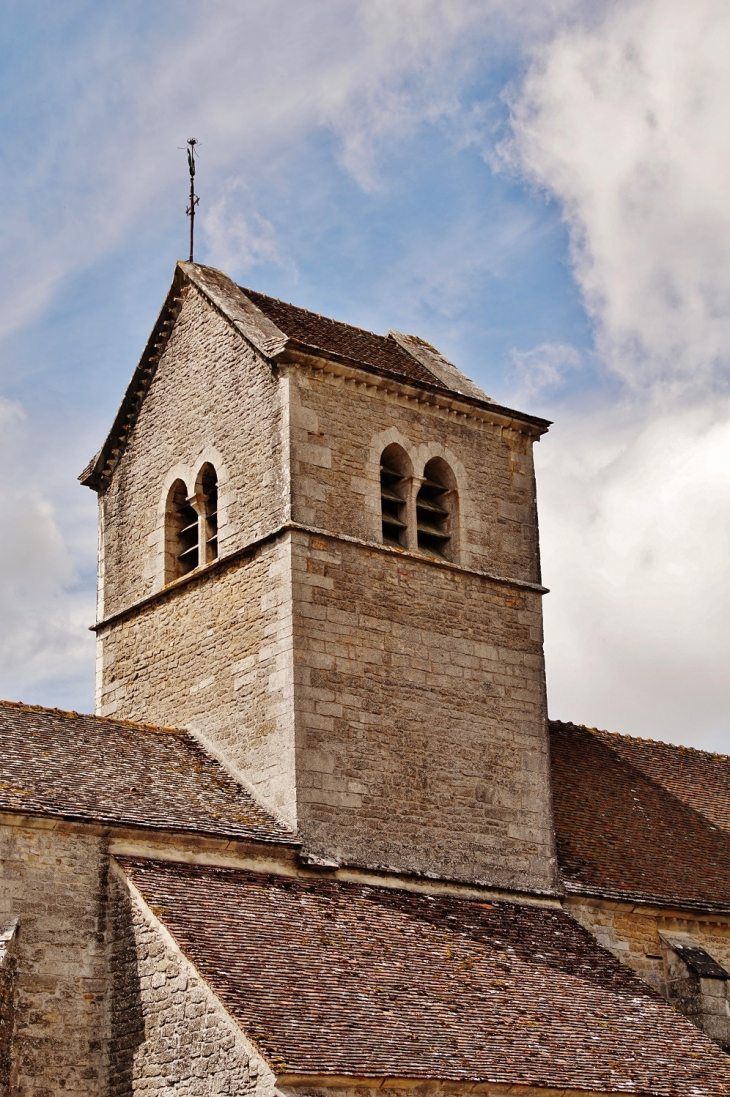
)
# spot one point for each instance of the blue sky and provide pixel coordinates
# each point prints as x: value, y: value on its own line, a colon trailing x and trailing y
x: 537, y: 189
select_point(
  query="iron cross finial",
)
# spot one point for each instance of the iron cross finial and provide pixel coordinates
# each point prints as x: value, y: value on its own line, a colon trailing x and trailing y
x: 194, y: 200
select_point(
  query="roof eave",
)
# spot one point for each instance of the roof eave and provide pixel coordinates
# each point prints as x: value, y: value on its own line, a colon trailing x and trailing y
x: 295, y: 346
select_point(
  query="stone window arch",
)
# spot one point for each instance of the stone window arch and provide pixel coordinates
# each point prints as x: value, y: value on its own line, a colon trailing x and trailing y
x: 181, y: 532
x: 395, y: 482
x: 437, y: 504
x: 207, y: 500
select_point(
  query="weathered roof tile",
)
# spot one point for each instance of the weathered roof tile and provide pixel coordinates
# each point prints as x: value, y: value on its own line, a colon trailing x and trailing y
x: 342, y: 979
x: 640, y: 819
x: 111, y: 771
x: 335, y: 337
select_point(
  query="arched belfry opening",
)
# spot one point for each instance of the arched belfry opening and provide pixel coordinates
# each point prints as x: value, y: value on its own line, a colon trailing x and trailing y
x: 395, y: 479
x: 436, y: 508
x: 208, y: 504
x: 181, y: 533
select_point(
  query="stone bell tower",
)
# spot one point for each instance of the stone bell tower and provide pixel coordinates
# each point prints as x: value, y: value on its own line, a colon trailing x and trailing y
x: 318, y: 552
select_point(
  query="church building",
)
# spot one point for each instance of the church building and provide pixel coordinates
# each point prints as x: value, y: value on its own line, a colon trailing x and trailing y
x: 320, y: 838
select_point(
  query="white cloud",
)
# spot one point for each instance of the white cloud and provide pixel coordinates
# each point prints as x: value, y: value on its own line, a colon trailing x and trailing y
x: 626, y: 123
x: 543, y: 369
x: 636, y: 544
x: 237, y: 241
x: 621, y: 117
x: 624, y: 120
x: 252, y: 81
x: 90, y: 144
x: 44, y: 641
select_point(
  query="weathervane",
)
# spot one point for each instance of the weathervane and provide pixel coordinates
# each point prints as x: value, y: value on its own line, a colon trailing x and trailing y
x: 194, y: 200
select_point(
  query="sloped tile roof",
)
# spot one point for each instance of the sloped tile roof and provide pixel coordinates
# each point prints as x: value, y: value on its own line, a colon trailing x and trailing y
x: 109, y: 771
x: 341, y: 979
x: 334, y: 337
x: 699, y: 778
x: 637, y: 819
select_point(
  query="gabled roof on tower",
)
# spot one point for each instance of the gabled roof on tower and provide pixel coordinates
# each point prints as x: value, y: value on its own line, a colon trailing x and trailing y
x: 637, y: 819
x: 347, y: 981
x: 275, y: 329
x: 404, y: 356
x: 85, y: 768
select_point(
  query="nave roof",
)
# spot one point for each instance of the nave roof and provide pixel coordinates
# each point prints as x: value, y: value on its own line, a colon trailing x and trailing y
x: 637, y: 819
x: 341, y: 979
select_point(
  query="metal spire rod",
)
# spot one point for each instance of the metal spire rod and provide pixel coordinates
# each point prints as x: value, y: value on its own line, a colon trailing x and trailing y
x: 194, y: 200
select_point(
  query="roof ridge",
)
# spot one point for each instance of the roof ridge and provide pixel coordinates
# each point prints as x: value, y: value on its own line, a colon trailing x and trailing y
x: 44, y: 710
x: 641, y: 739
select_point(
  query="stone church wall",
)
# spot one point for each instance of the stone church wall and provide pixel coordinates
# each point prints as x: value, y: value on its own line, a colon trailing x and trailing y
x: 420, y: 717
x: 392, y: 709
x: 8, y: 976
x: 215, y: 656
x: 633, y: 933
x: 169, y: 1033
x: 212, y: 399
x: 339, y: 430
x: 54, y: 882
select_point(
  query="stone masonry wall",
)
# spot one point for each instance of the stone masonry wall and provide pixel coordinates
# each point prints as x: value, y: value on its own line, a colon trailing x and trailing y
x: 55, y: 883
x: 413, y: 735
x: 169, y: 1033
x: 632, y: 933
x: 8, y: 978
x: 215, y: 656
x: 339, y: 429
x: 421, y: 737
x: 212, y: 399
x: 419, y: 700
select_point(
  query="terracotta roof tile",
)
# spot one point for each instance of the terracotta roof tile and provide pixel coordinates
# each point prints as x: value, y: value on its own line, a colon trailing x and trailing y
x: 640, y: 819
x: 334, y: 337
x: 699, y: 778
x: 341, y: 979
x: 84, y: 767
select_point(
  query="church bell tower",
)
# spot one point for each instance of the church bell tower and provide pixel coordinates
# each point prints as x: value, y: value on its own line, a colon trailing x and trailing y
x: 318, y: 552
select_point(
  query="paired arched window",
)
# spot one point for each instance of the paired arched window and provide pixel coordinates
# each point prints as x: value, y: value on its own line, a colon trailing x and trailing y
x: 191, y: 525
x: 435, y: 508
x: 426, y: 523
x: 395, y: 482
x: 208, y: 507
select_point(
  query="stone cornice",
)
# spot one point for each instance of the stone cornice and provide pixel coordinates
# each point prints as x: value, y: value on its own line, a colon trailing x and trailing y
x: 451, y: 404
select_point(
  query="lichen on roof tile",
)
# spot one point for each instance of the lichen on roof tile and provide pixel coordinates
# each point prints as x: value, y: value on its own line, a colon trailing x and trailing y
x: 114, y: 771
x: 393, y: 984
